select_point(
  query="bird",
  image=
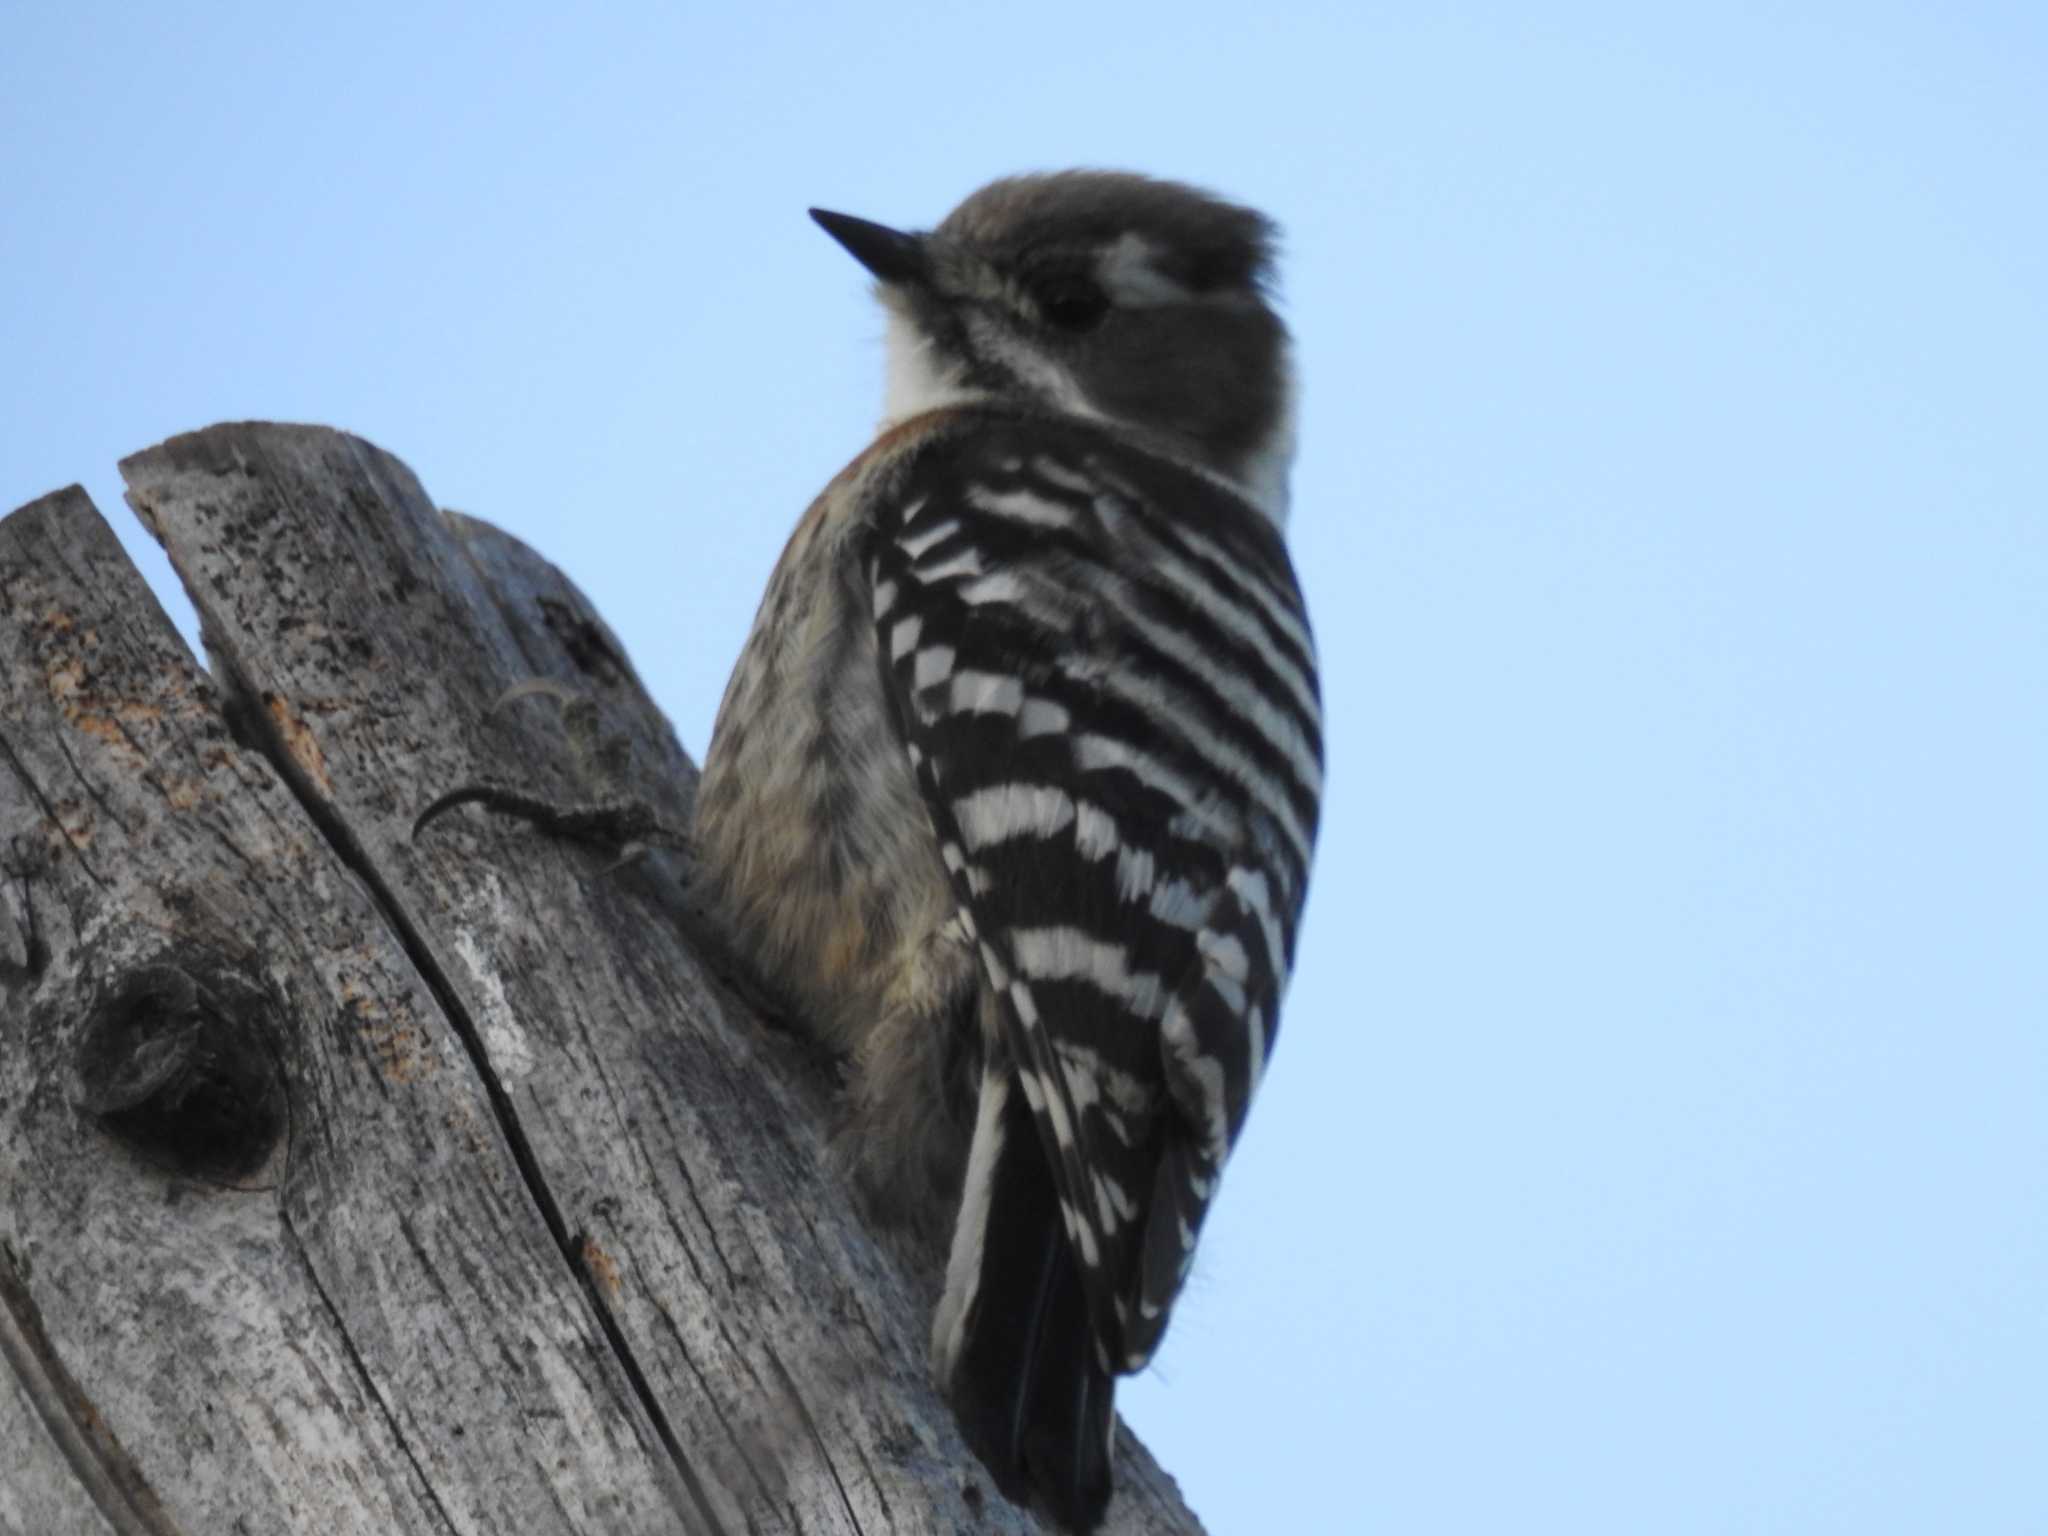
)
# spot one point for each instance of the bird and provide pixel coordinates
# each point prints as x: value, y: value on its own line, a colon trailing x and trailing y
x: 1012, y: 795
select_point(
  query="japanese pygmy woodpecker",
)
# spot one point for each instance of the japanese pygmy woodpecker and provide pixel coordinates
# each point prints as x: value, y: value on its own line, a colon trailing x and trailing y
x: 1013, y: 791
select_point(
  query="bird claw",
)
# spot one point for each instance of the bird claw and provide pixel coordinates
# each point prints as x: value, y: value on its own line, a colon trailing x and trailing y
x: 631, y: 827
x: 628, y: 827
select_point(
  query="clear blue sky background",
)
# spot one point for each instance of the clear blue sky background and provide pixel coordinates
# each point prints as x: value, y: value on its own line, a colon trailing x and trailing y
x: 1659, y: 1132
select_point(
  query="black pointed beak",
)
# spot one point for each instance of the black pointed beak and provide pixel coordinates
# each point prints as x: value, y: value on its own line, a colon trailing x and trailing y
x: 890, y: 254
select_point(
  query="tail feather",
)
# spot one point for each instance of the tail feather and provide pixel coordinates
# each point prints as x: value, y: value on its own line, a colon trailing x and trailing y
x: 1180, y: 1199
x: 1014, y: 1344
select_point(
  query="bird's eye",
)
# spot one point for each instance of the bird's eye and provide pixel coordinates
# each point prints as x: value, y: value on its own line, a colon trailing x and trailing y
x: 1072, y: 303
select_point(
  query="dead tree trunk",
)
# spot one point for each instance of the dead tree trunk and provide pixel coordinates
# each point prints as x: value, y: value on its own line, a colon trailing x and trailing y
x: 356, y: 1185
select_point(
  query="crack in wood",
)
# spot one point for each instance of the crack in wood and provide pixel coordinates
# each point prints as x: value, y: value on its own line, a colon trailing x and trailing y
x: 586, y: 1245
x: 106, y: 1471
x: 366, y: 1377
x: 35, y: 790
x: 342, y: 840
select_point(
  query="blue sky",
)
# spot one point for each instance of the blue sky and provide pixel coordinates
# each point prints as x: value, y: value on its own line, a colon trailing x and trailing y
x: 1658, y: 1135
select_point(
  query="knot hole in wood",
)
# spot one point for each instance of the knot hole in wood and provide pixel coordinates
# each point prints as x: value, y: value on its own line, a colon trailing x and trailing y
x: 178, y: 1061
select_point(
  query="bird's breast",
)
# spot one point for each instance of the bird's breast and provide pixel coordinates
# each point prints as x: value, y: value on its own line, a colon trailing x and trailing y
x: 813, y: 841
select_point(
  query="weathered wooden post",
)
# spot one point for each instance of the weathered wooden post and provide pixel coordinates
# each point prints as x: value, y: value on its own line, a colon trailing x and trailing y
x: 356, y: 1185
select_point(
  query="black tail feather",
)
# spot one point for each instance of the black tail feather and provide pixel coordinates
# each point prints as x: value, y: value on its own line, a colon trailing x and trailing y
x: 1029, y: 1386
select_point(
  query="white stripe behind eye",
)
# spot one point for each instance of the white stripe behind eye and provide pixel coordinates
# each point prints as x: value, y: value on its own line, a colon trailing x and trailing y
x: 1126, y: 269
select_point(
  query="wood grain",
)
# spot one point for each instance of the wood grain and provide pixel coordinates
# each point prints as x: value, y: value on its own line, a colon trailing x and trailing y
x: 351, y: 1183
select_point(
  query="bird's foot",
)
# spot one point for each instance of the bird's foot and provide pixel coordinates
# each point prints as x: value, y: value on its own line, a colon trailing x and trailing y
x: 628, y: 827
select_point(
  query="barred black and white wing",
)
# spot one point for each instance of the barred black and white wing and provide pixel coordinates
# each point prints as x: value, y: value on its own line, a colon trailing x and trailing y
x: 1105, y: 680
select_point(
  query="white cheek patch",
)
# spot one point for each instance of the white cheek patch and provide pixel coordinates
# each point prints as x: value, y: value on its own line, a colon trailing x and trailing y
x: 917, y: 377
x: 921, y: 378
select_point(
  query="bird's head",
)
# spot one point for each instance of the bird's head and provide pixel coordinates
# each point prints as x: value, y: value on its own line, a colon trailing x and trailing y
x: 1109, y: 296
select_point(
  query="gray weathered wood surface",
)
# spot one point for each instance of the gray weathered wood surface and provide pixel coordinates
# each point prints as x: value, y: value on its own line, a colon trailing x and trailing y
x: 350, y: 1184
